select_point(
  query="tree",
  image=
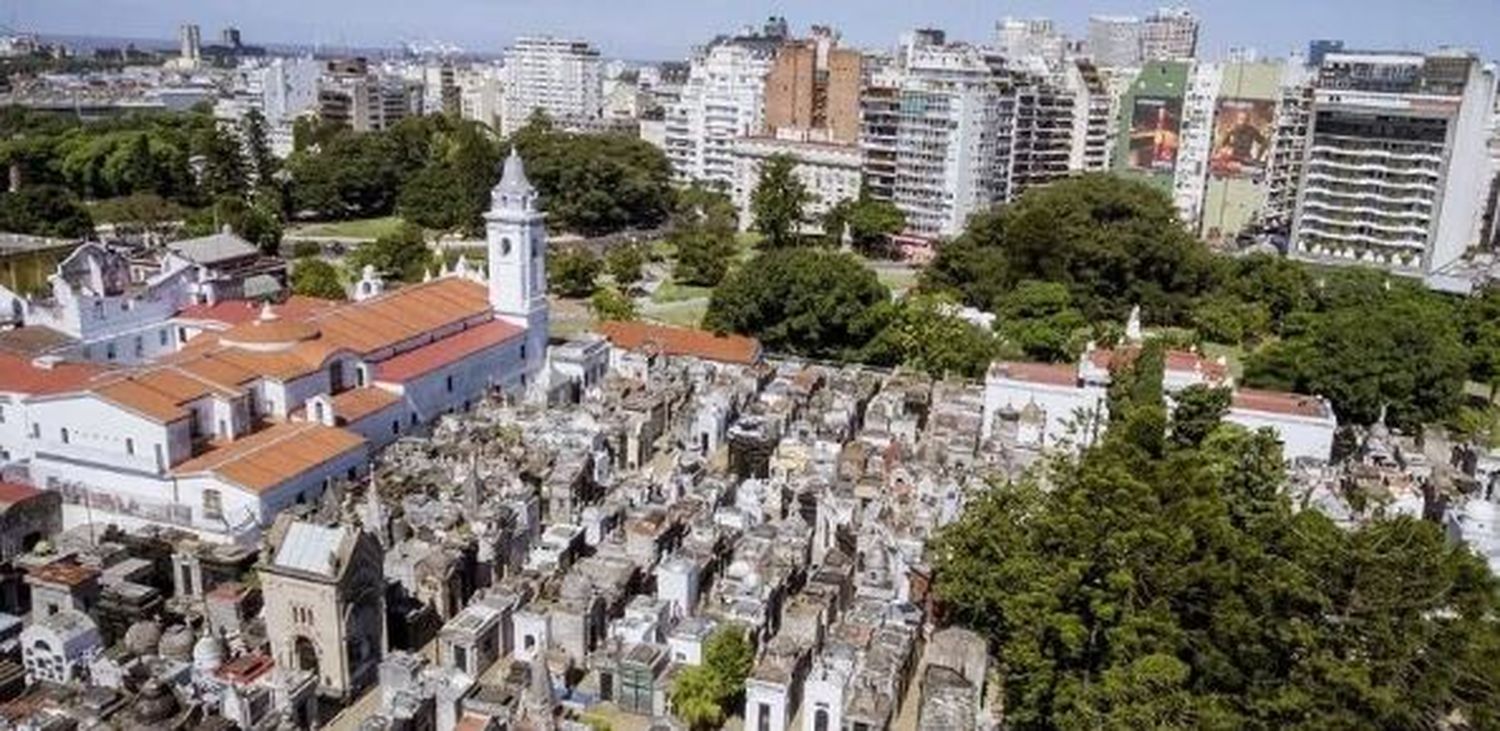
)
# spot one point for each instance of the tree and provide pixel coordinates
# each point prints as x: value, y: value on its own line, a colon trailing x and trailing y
x: 262, y: 163
x: 349, y: 175
x: 574, y: 272
x: 870, y: 224
x: 1112, y: 242
x: 1039, y: 319
x: 779, y: 201
x: 1178, y: 588
x: 625, y: 264
x: 925, y: 333
x: 596, y: 184
x: 1372, y: 349
x: 224, y: 172
x: 316, y: 278
x: 609, y: 304
x: 809, y: 302
x: 403, y: 255
x: 1196, y: 412
x: 452, y: 191
x: 44, y: 210
x: 700, y: 693
x: 703, y: 229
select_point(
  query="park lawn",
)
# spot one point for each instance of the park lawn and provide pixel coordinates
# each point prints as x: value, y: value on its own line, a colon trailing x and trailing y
x: 899, y: 281
x: 688, y: 314
x: 671, y: 291
x: 363, y: 228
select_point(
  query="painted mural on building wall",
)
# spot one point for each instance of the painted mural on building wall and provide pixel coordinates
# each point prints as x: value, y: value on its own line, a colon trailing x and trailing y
x: 1155, y: 134
x: 1242, y: 137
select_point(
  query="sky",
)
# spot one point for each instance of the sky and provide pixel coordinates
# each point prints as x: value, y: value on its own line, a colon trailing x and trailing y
x: 666, y: 29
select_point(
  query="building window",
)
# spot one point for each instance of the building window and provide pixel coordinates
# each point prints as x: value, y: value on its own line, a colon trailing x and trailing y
x: 161, y: 337
x: 130, y: 446
x: 523, y: 351
x: 213, y: 505
x: 449, y: 381
x: 181, y: 334
x: 396, y: 426
x: 64, y: 433
x: 2, y: 414
x: 109, y: 351
x: 140, y: 346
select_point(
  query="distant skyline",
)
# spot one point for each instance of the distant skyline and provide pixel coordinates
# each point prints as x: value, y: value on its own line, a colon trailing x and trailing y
x: 667, y: 29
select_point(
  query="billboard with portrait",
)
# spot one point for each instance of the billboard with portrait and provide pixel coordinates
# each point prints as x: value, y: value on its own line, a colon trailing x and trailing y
x: 1242, y: 137
x: 1155, y: 134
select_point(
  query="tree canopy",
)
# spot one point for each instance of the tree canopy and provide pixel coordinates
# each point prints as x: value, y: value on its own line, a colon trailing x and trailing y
x: 317, y: 278
x: 574, y: 272
x: 1157, y: 582
x: 779, y: 203
x: 403, y: 255
x: 703, y: 229
x: 810, y: 302
x: 44, y: 210
x: 1112, y: 242
x: 701, y: 693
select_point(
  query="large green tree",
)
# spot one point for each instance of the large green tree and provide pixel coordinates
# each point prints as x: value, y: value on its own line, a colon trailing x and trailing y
x: 701, y: 693
x: 44, y: 210
x: 703, y: 230
x: 1039, y: 319
x: 1112, y: 242
x: 595, y: 184
x: 403, y: 255
x: 810, y: 302
x: 925, y: 333
x: 574, y: 272
x: 317, y: 278
x: 869, y: 224
x: 779, y: 203
x: 1169, y: 583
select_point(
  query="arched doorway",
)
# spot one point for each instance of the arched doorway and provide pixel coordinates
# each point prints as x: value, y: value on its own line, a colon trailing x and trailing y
x: 305, y: 655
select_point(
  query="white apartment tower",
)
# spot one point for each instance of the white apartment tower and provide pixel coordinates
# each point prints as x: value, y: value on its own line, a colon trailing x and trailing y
x: 724, y: 99
x: 1396, y: 166
x: 562, y: 77
x: 1169, y: 34
x: 1115, y: 41
x: 516, y: 236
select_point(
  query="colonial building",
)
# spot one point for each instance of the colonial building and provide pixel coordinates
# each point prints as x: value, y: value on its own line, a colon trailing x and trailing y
x: 215, y: 416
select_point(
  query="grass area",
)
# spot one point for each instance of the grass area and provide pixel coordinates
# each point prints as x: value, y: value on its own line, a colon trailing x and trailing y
x: 687, y: 314
x: 1235, y: 354
x: 670, y: 291
x: 896, y: 280
x: 365, y: 228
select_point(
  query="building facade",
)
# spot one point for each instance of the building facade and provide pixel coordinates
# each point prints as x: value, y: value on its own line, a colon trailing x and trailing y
x: 262, y: 408
x: 1396, y: 167
x: 561, y: 77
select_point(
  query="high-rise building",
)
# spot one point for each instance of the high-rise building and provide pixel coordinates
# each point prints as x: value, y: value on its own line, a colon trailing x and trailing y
x: 1092, y: 106
x: 723, y: 100
x: 190, y: 41
x: 561, y: 77
x: 1169, y: 34
x: 1030, y: 37
x: 1288, y: 149
x: 1189, y: 179
x: 945, y: 137
x: 1115, y: 41
x: 230, y: 37
x: 813, y: 89
x: 1319, y: 49
x: 1397, y: 166
x: 1252, y: 144
x: 1149, y: 126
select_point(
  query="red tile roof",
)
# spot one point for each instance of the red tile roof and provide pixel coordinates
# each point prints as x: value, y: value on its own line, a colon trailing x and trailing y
x: 238, y: 312
x: 1278, y: 402
x: 14, y: 492
x: 263, y: 460
x: 682, y: 341
x: 66, y: 573
x: 245, y: 668
x: 358, y: 403
x: 420, y: 361
x: 22, y: 375
x: 1053, y: 374
x: 1174, y: 360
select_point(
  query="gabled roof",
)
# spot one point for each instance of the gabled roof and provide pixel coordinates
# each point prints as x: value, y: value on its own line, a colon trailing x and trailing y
x: 22, y: 375
x: 682, y: 341
x: 213, y: 249
x: 432, y: 356
x: 34, y: 340
x: 1278, y: 402
x: 267, y: 458
x: 358, y: 403
x: 1052, y: 374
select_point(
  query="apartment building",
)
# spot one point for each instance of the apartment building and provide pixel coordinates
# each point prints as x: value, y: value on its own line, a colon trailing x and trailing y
x: 1169, y: 34
x: 1115, y: 40
x: 723, y: 100
x: 813, y: 88
x: 562, y: 77
x: 1396, y: 167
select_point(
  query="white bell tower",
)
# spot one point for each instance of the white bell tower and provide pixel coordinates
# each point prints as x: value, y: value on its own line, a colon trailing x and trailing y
x: 517, y: 240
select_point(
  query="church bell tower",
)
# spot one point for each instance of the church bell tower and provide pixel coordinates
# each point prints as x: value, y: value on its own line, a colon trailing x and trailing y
x: 517, y: 241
